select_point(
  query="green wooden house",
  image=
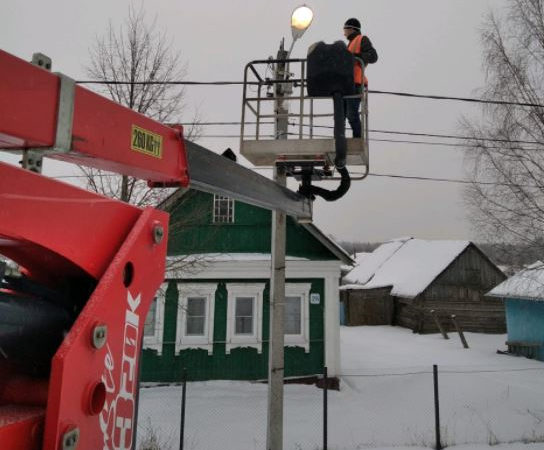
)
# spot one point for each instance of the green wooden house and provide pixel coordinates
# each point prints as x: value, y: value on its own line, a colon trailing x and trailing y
x: 211, y: 315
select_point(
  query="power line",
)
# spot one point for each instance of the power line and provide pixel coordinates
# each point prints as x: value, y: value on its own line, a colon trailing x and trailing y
x: 453, y: 136
x: 181, y: 83
x: 394, y: 132
x: 442, y: 180
x: 458, y: 99
x: 394, y: 141
x: 371, y: 91
x: 444, y: 144
x: 382, y: 175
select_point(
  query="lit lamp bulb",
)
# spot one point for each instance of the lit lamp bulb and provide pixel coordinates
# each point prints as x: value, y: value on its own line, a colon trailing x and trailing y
x: 301, y: 20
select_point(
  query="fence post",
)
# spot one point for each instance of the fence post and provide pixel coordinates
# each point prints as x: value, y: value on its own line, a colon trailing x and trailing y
x: 325, y: 407
x: 183, y: 395
x: 436, y: 408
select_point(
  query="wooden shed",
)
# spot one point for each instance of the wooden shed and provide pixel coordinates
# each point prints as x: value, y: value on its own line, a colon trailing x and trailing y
x: 403, y: 280
x: 523, y: 294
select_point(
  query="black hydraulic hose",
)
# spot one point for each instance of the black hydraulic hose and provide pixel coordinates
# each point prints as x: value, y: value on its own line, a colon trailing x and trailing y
x: 339, y: 131
x: 339, y: 161
x: 345, y: 183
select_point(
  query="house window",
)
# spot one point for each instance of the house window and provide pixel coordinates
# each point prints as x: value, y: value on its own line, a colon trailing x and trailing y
x: 154, y: 321
x: 244, y: 312
x: 292, y: 315
x: 244, y: 316
x: 195, y: 318
x: 223, y: 209
x: 296, y: 313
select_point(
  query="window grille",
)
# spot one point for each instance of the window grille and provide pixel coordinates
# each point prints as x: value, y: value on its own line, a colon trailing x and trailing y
x: 223, y: 209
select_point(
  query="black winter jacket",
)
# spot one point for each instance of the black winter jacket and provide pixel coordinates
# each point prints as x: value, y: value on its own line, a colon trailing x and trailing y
x: 368, y: 53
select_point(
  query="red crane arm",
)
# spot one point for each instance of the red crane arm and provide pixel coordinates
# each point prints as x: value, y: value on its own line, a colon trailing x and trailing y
x: 71, y: 329
x: 104, y: 134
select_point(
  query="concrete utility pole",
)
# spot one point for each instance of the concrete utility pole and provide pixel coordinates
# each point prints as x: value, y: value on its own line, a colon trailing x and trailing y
x: 301, y: 19
x: 274, y: 431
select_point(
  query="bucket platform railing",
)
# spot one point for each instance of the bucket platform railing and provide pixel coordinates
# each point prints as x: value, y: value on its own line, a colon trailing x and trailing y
x: 310, y: 140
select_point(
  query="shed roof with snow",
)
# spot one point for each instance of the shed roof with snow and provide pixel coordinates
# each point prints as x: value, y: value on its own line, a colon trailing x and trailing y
x: 528, y: 284
x: 408, y: 265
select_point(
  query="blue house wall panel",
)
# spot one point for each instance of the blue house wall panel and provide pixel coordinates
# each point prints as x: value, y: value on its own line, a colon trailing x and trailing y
x: 524, y: 321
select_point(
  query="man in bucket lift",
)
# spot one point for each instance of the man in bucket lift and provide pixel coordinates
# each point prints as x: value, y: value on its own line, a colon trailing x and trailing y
x: 365, y: 54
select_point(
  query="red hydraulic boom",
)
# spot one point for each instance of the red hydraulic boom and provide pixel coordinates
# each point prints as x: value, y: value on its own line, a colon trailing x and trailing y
x: 69, y: 371
x: 71, y: 323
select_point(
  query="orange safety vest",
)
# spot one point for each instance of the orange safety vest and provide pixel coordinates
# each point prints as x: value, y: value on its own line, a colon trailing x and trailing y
x: 355, y: 47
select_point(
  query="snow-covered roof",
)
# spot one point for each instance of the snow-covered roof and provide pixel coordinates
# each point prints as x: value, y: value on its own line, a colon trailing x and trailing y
x: 528, y: 284
x: 347, y: 287
x: 368, y: 263
x: 408, y: 265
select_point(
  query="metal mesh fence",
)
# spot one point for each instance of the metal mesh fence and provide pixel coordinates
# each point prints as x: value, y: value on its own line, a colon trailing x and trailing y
x: 303, y: 417
x: 226, y: 415
x: 491, y: 406
x: 374, y: 409
x: 382, y: 410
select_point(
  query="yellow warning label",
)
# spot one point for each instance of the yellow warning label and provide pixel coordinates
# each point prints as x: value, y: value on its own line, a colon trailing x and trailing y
x: 144, y: 141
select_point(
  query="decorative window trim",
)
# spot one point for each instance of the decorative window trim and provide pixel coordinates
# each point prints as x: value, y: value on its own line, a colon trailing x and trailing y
x: 301, y: 290
x: 186, y: 290
x: 229, y: 218
x: 155, y: 341
x: 254, y: 340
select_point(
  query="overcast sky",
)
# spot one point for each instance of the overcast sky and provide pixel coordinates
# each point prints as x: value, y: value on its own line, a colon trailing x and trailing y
x: 424, y: 46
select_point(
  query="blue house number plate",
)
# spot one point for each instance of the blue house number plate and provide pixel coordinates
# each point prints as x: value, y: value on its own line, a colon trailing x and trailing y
x: 315, y: 299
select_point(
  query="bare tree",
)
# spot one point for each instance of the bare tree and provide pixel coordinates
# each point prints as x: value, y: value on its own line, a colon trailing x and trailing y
x: 138, y: 54
x: 143, y: 60
x: 506, y: 198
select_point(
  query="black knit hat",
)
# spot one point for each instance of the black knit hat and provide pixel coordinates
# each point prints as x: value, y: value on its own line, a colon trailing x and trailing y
x: 353, y: 23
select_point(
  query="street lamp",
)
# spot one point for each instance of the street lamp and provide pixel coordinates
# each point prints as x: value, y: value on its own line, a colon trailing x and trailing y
x: 301, y: 19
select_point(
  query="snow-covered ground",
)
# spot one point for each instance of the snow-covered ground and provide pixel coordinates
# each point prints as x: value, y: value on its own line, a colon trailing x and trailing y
x: 385, y: 401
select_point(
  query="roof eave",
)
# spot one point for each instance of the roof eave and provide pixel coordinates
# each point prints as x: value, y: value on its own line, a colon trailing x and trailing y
x: 332, y: 246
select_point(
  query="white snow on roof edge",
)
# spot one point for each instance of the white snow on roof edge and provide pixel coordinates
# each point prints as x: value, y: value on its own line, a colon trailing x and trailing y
x: 408, y: 265
x: 527, y: 284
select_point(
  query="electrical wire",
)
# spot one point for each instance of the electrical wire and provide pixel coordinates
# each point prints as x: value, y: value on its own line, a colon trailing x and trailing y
x: 393, y: 141
x: 371, y: 91
x: 458, y: 99
x: 371, y: 174
x: 394, y: 132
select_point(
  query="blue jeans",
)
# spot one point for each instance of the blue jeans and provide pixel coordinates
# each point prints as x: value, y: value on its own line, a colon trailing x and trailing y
x: 351, y: 111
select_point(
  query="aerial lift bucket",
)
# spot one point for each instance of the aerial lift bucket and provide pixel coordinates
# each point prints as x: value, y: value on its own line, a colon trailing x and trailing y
x: 309, y: 145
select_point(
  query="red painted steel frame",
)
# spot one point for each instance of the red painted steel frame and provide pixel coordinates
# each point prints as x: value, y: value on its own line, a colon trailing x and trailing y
x: 57, y: 230
x: 81, y: 374
x: 102, y: 134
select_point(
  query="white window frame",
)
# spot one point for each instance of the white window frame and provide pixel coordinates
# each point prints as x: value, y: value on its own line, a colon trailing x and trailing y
x: 229, y: 218
x: 205, y: 342
x: 155, y: 341
x: 301, y: 290
x: 254, y: 340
